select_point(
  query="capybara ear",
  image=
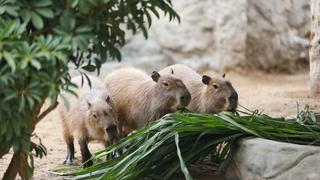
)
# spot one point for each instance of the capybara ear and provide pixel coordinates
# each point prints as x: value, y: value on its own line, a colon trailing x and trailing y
x: 172, y: 72
x: 155, y: 76
x: 206, y: 79
x: 89, y: 105
x: 108, y: 99
x: 223, y: 75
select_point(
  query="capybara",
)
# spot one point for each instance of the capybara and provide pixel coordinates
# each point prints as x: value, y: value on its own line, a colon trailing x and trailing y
x: 90, y: 117
x: 208, y: 94
x: 139, y: 98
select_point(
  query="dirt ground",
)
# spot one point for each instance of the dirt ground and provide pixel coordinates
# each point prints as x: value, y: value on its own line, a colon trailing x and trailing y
x: 275, y: 94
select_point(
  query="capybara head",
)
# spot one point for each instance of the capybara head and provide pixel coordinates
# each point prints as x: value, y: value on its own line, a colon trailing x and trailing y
x: 172, y: 90
x: 101, y: 118
x: 220, y: 93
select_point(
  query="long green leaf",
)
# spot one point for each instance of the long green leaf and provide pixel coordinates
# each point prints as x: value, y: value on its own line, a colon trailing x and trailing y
x: 151, y: 150
x: 183, y: 166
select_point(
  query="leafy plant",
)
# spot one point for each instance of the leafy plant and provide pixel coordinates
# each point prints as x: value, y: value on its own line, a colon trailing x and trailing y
x: 38, y: 40
x: 307, y: 116
x: 181, y: 138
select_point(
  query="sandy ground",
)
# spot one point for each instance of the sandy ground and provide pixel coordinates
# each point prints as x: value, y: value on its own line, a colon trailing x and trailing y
x: 275, y: 94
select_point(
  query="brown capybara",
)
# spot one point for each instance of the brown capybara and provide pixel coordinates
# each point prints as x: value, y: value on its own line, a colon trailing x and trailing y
x: 90, y: 117
x: 139, y: 98
x: 208, y: 94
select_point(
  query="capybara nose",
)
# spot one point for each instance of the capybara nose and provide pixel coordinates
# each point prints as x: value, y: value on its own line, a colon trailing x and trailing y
x: 112, y: 129
x: 185, y: 99
x: 233, y: 97
x: 233, y: 102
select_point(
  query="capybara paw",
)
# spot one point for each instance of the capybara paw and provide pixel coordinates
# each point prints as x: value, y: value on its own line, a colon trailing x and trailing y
x: 69, y: 161
x: 118, y: 152
x: 88, y: 164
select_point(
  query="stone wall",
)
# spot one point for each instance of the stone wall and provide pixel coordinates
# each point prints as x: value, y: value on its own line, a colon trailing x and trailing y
x: 277, y: 34
x: 269, y: 35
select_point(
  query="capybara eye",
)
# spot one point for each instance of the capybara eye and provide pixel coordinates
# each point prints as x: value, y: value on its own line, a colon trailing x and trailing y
x: 215, y: 86
x: 94, y: 115
x: 165, y: 84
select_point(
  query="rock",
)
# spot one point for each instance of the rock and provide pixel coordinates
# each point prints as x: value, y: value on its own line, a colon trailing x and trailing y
x: 231, y: 33
x: 277, y: 34
x: 191, y: 41
x: 255, y: 158
x: 268, y: 35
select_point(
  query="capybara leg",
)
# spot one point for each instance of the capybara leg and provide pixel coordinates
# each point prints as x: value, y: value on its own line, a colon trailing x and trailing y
x: 70, y: 151
x: 121, y: 150
x: 85, y: 153
x: 117, y: 153
x: 114, y: 154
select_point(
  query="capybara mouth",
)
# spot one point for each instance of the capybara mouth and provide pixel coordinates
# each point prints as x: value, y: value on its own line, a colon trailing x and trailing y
x: 233, y: 108
x: 122, y: 150
x: 181, y: 107
x: 113, y: 136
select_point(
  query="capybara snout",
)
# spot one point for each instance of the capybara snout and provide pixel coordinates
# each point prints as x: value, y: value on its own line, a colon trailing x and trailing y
x: 185, y: 98
x: 233, y: 100
x: 111, y: 128
x: 112, y: 131
x: 184, y: 95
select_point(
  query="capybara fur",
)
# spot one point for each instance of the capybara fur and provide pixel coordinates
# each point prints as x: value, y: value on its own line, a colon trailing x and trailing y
x: 90, y: 117
x: 139, y: 98
x: 209, y: 94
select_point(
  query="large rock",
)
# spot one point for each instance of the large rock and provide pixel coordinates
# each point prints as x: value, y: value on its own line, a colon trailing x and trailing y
x: 255, y: 159
x: 277, y: 34
x: 211, y: 34
x: 230, y: 34
x: 268, y: 35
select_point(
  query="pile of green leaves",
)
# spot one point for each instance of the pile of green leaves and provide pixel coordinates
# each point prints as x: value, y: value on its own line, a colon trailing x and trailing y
x: 39, y: 39
x: 181, y: 138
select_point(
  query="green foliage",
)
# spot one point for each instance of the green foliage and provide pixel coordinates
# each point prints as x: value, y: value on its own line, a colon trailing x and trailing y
x: 159, y: 149
x: 307, y: 116
x: 39, y: 38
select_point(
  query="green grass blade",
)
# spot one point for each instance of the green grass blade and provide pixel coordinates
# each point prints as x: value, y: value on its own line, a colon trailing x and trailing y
x: 157, y: 149
x: 183, y: 166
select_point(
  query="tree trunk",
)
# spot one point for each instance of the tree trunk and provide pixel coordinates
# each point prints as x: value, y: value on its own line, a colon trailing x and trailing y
x: 19, y: 161
x: 314, y: 51
x: 18, y: 164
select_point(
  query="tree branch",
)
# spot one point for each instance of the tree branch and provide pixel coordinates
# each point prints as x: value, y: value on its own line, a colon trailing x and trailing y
x: 47, y: 111
x: 4, y: 151
x: 12, y: 170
